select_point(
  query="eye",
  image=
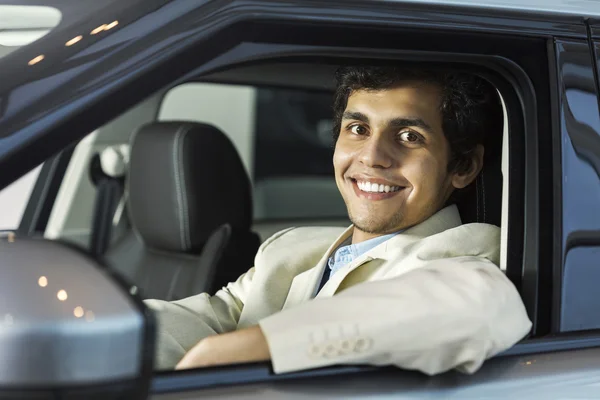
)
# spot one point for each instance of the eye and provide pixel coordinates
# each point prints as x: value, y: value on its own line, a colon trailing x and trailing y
x: 410, y: 137
x: 358, y: 129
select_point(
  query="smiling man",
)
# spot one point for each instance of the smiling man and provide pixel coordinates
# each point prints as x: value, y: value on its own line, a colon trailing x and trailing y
x: 407, y: 284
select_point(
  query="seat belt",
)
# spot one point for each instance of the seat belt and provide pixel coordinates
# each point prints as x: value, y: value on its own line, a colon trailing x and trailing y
x: 109, y: 198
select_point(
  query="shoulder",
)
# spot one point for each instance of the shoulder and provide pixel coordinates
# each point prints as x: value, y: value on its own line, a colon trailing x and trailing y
x: 302, y: 237
x: 480, y: 233
x: 296, y: 243
x: 478, y: 240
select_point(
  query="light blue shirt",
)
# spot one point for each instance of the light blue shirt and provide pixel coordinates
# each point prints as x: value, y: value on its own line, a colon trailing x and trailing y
x: 346, y: 254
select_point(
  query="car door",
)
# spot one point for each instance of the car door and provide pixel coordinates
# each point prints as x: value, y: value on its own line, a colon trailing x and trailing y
x: 548, y: 70
x: 560, y: 360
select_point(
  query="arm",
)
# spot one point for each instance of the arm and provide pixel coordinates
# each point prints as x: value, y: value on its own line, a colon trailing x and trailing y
x: 452, y: 313
x: 183, y: 323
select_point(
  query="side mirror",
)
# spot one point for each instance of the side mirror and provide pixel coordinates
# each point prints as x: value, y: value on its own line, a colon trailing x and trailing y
x: 68, y: 327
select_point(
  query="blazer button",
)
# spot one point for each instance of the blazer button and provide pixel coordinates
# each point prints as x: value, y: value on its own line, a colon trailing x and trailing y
x: 315, y: 351
x: 330, y: 350
x: 346, y: 346
x: 362, y: 345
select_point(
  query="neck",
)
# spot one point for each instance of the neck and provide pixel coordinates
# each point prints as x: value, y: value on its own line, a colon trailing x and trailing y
x: 360, y: 236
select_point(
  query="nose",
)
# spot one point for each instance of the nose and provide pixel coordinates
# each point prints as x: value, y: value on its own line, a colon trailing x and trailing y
x: 375, y: 152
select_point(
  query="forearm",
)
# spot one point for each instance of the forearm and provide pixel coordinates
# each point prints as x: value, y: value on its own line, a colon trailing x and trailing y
x: 431, y: 319
x: 184, y: 323
x: 246, y: 345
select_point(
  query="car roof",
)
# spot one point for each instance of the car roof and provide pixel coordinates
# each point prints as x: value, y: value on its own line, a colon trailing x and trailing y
x: 583, y: 8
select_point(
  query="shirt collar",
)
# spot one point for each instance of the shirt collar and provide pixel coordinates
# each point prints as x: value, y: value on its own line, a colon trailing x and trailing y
x: 349, y: 252
x: 362, y: 247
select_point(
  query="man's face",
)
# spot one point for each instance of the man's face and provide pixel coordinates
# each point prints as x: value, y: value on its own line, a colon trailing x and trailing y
x: 391, y: 158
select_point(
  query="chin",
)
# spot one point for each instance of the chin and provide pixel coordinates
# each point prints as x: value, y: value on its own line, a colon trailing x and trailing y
x: 379, y: 226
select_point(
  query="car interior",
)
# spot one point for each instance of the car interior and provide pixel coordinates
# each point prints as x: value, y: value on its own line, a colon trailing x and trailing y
x: 178, y: 193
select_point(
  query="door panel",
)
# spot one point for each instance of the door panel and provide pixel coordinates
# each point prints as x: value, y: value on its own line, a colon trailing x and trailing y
x: 580, y: 297
x: 580, y: 152
x: 569, y: 374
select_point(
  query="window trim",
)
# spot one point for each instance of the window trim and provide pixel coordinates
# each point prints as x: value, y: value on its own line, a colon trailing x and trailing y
x: 557, y: 225
x: 243, y: 374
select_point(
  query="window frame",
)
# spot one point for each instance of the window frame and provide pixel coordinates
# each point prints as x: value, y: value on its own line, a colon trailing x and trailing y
x: 261, y: 372
x: 203, y: 378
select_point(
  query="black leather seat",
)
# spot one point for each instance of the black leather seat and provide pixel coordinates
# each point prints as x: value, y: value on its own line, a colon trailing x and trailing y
x: 481, y: 201
x: 189, y: 202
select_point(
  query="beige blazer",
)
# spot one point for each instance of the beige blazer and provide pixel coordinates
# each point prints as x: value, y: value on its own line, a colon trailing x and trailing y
x: 430, y: 299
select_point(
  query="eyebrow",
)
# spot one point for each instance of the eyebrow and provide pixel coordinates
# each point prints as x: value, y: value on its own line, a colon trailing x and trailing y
x: 399, y: 122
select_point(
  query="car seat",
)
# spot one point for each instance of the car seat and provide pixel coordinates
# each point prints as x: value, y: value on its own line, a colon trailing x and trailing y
x: 190, y: 207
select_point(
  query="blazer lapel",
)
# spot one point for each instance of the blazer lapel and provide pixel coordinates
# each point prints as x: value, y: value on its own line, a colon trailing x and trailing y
x: 334, y: 281
x: 305, y: 284
x: 444, y: 219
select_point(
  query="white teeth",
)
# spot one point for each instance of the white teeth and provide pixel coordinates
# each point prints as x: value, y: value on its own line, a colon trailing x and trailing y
x: 376, y: 188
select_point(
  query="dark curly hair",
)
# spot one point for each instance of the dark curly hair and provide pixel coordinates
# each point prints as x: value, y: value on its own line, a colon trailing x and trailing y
x: 470, y: 106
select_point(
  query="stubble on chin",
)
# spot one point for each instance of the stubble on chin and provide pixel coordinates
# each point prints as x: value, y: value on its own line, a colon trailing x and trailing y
x: 377, y: 225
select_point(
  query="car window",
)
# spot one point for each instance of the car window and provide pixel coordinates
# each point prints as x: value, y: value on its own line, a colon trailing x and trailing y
x: 284, y: 139
x: 14, y: 198
x: 73, y: 211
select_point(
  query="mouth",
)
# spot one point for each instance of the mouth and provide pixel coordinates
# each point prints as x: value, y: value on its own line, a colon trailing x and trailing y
x: 375, y: 190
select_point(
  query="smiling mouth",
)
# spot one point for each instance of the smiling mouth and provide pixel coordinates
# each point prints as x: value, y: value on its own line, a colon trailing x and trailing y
x: 375, y: 191
x: 370, y: 187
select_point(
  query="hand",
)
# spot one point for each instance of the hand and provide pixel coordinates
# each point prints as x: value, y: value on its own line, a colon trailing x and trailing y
x: 246, y: 345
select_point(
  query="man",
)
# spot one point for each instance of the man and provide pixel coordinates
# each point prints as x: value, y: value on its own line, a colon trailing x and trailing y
x: 406, y: 284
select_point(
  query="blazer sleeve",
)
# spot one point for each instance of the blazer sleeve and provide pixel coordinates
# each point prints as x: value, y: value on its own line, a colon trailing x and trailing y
x: 449, y: 314
x: 183, y: 323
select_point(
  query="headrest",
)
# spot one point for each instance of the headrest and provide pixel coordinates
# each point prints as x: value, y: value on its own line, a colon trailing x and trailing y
x: 185, y: 180
x: 114, y: 160
x: 110, y: 163
x: 482, y: 199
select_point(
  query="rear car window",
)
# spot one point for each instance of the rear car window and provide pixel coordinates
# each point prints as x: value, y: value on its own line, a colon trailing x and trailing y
x: 283, y: 136
x: 14, y: 198
x: 21, y: 25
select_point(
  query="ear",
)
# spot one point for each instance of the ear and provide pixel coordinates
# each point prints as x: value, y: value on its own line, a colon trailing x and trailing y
x: 463, y: 179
